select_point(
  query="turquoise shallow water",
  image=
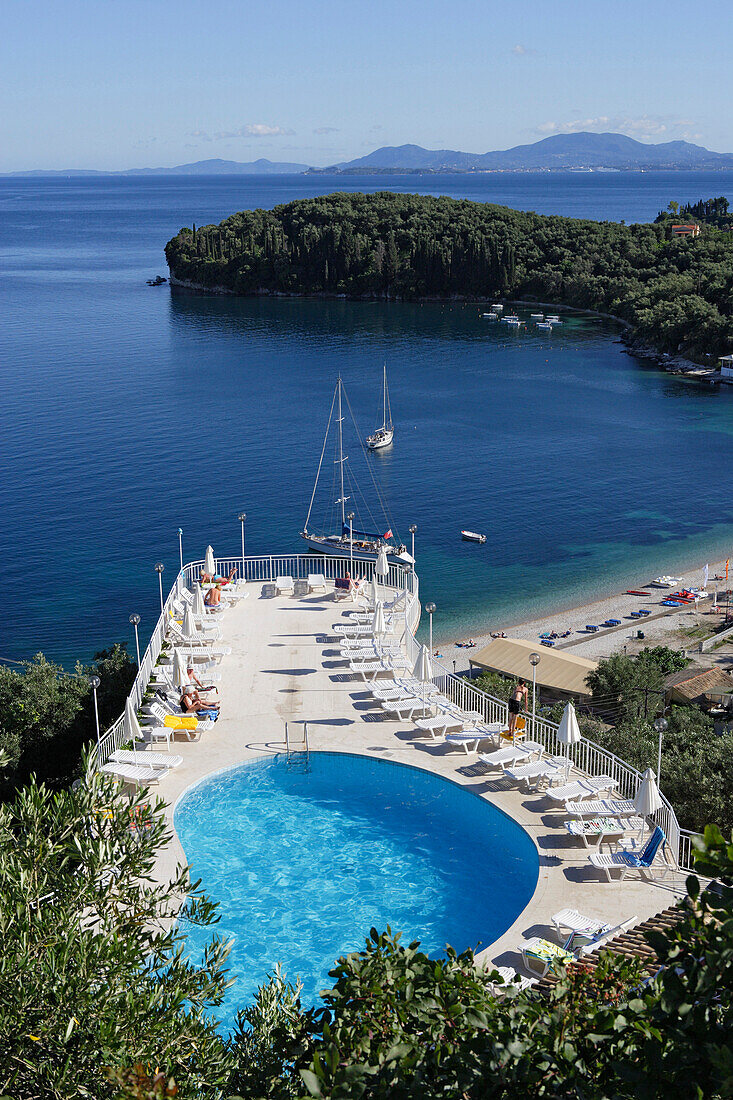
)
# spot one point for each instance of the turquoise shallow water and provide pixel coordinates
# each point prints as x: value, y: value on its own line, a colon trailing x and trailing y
x: 129, y: 411
x: 304, y: 864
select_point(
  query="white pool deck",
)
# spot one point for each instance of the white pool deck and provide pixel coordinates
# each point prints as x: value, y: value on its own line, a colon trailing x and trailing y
x: 283, y: 667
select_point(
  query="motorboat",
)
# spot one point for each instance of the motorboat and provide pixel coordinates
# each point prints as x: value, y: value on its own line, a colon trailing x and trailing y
x: 666, y: 582
x: 553, y: 319
x: 545, y: 325
x: 537, y: 316
x: 473, y: 536
x: 497, y: 307
x: 383, y: 436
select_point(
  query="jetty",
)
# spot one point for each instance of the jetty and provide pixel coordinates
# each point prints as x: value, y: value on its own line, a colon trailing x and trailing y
x: 285, y: 685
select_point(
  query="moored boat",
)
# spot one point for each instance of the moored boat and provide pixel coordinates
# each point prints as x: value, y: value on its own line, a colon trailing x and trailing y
x: 537, y: 316
x: 473, y: 536
x: 383, y: 436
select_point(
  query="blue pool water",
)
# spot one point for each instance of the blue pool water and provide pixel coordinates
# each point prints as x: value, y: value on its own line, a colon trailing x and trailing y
x: 305, y: 864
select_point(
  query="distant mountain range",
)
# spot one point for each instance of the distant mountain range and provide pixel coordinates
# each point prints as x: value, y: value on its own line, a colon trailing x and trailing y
x: 562, y: 151
x: 588, y: 151
x: 215, y: 167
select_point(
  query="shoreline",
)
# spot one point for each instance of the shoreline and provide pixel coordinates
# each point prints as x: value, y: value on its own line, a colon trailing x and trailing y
x: 615, y: 605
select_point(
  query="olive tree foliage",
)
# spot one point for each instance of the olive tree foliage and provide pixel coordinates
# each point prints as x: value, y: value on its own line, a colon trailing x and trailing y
x: 92, y: 969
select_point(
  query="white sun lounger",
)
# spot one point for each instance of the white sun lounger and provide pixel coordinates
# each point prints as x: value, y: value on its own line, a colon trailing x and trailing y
x: 603, y: 807
x: 511, y: 979
x: 144, y: 758
x: 132, y: 773
x: 316, y: 581
x: 406, y: 708
x: 582, y: 788
x: 196, y: 641
x: 624, y: 861
x: 573, y: 921
x: 167, y: 730
x: 510, y: 755
x: 439, y: 725
x: 353, y: 630
x: 547, y: 769
x: 284, y: 586
x: 602, y: 828
x: 369, y: 670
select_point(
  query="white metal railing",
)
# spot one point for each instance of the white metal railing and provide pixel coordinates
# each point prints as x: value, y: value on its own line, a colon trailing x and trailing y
x: 587, y: 757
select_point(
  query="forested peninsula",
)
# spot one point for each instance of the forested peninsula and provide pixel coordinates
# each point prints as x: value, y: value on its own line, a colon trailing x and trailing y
x: 675, y: 293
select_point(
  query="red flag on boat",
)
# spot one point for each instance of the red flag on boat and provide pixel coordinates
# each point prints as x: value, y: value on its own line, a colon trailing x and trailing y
x: 388, y: 535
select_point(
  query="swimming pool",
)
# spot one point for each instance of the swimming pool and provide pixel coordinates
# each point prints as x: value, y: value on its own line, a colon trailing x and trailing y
x: 305, y: 863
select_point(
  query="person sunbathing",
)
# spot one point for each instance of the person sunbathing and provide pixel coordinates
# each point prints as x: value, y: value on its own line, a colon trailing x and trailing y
x: 192, y: 703
x: 213, y: 596
x: 217, y: 578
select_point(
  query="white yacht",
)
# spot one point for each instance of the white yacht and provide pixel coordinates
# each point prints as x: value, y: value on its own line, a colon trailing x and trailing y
x: 383, y: 436
x: 355, y: 535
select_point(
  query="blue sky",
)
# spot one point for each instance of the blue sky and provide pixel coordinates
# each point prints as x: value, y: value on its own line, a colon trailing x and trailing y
x: 122, y: 83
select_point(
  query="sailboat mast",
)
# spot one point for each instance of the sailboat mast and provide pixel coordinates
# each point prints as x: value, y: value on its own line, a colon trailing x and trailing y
x: 341, y: 460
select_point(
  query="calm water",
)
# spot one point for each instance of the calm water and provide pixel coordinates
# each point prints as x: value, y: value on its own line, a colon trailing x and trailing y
x: 304, y: 865
x: 128, y: 412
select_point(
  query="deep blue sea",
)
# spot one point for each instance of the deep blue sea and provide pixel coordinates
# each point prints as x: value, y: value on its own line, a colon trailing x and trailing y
x: 129, y: 411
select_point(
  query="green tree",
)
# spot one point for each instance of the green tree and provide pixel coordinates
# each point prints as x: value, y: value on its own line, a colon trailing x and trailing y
x: 92, y: 971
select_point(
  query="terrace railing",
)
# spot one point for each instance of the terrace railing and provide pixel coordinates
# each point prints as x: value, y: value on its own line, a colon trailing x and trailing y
x: 587, y: 757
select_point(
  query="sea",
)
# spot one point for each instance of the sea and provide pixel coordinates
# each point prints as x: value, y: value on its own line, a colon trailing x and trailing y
x: 129, y: 412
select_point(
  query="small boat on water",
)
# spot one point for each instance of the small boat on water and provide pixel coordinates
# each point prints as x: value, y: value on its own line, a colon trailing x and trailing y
x: 513, y: 322
x: 510, y: 319
x: 537, y: 316
x: 157, y: 281
x: 490, y: 316
x: 473, y: 536
x: 383, y: 436
x: 545, y: 325
x: 497, y: 307
x: 553, y: 319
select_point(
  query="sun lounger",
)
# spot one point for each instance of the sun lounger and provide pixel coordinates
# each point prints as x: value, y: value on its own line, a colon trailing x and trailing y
x: 546, y: 769
x: 195, y: 641
x: 439, y: 725
x: 353, y: 630
x: 602, y: 828
x: 406, y: 708
x: 601, y: 807
x: 132, y: 773
x: 573, y: 921
x: 510, y: 979
x: 167, y: 724
x: 511, y: 754
x: 582, y: 788
x: 316, y: 582
x: 144, y: 758
x: 625, y: 861
x: 284, y: 586
x: 369, y: 670
x: 469, y: 738
x: 539, y: 956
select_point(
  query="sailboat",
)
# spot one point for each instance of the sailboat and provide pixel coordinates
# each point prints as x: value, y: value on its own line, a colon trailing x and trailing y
x: 349, y: 541
x: 383, y: 436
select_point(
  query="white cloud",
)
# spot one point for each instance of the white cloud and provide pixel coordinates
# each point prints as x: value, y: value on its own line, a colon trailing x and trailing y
x: 645, y: 126
x: 522, y: 51
x: 261, y: 129
x: 326, y: 130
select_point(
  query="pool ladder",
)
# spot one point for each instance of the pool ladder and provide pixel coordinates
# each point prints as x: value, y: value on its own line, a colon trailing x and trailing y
x: 297, y: 753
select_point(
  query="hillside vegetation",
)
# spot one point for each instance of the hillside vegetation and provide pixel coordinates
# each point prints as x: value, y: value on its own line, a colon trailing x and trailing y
x: 675, y: 294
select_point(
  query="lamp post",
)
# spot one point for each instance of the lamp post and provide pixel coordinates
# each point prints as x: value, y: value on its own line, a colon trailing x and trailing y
x: 135, y: 620
x: 180, y: 545
x: 94, y: 683
x: 159, y: 567
x: 660, y: 725
x: 350, y: 518
x: 534, y: 660
x: 413, y: 529
x: 430, y: 608
x: 242, y: 518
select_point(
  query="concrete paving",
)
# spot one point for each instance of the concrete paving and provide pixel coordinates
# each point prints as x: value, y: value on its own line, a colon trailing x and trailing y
x: 285, y: 666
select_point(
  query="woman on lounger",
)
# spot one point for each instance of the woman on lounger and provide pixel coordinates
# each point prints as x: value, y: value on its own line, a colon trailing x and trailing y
x: 213, y: 596
x: 192, y: 703
x: 517, y: 703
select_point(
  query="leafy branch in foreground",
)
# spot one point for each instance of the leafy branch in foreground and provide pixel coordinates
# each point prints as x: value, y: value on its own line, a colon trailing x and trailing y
x: 92, y: 969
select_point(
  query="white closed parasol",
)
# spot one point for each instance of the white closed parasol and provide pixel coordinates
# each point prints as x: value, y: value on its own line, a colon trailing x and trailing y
x: 647, y: 799
x: 180, y: 671
x: 132, y: 726
x: 423, y: 669
x: 382, y: 566
x: 199, y: 607
x: 375, y: 590
x: 379, y: 625
x: 189, y: 626
x: 209, y: 563
x: 568, y: 732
